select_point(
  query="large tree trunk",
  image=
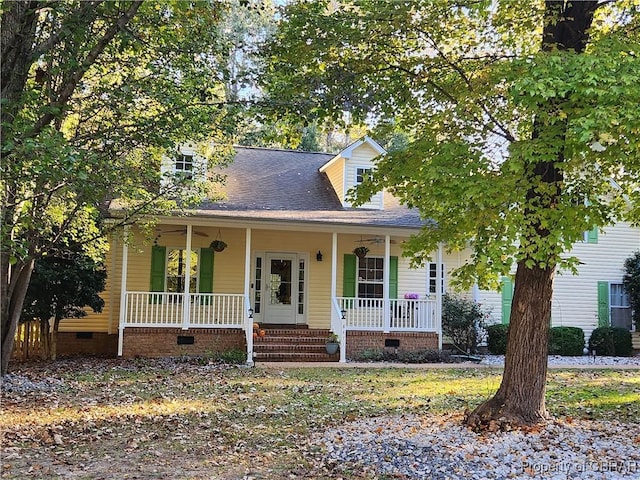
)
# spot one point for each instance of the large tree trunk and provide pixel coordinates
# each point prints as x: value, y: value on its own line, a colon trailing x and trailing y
x: 520, y: 400
x: 17, y: 279
x: 521, y: 396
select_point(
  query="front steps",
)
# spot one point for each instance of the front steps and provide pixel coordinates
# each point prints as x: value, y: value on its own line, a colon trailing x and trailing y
x: 292, y: 345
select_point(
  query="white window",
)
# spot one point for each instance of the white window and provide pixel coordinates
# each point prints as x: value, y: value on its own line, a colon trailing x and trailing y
x: 619, y: 304
x: 362, y: 173
x: 432, y: 279
x: 177, y: 269
x: 183, y: 165
x: 370, y: 277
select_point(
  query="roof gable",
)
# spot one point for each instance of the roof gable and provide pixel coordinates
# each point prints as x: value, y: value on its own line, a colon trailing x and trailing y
x: 347, y: 153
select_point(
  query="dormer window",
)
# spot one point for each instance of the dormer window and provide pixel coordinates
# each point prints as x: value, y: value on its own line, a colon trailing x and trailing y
x: 184, y: 165
x: 362, y: 174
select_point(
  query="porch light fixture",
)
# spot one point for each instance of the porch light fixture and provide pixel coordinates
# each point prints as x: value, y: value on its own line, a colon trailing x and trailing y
x: 344, y: 314
x: 251, y: 313
x: 319, y: 256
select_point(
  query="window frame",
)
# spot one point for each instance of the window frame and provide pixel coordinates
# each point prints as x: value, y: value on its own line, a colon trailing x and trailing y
x: 375, y: 282
x: 433, y: 278
x: 195, y: 275
x: 181, y: 159
x: 623, y: 297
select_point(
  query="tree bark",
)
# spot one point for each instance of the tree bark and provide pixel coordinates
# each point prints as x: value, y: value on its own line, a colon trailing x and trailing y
x: 18, y: 282
x: 520, y: 399
x: 521, y: 396
x: 17, y: 37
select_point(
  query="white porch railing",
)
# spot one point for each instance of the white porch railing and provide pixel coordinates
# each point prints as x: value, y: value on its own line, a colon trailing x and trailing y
x: 404, y: 315
x: 207, y: 310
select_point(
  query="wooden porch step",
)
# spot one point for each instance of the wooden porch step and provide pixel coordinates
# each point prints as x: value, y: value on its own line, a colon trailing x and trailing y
x: 293, y: 345
x: 635, y: 340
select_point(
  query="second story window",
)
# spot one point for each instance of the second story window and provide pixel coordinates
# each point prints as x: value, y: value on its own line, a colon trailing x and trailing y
x: 184, y: 165
x: 362, y: 174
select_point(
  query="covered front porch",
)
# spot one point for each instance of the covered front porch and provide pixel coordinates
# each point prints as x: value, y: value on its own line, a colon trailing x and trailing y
x: 296, y: 275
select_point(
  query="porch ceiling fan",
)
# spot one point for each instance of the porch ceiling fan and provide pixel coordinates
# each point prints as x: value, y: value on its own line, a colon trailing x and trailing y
x: 373, y: 240
x: 182, y: 231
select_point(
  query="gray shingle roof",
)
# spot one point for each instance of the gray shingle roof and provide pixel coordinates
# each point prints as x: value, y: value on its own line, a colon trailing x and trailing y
x: 286, y: 185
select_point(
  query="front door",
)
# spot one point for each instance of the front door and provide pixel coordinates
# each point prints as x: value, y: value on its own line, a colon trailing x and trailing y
x: 281, y: 288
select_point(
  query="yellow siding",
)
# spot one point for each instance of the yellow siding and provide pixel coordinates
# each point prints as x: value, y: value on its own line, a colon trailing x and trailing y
x: 229, y: 268
x: 318, y: 273
x: 335, y: 173
x: 97, y: 322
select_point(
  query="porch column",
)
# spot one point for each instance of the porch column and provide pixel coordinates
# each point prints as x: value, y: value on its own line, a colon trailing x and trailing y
x: 386, y: 303
x: 336, y: 317
x: 248, y: 329
x: 123, y: 290
x: 186, y: 304
x: 439, y: 296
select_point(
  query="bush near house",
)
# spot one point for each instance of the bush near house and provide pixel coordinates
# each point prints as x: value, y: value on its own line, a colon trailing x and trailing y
x: 425, y: 355
x: 497, y: 338
x: 566, y: 341
x: 614, y: 341
x: 463, y: 321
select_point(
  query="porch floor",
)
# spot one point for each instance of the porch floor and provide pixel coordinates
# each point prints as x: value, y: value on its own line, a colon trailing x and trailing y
x: 292, y: 344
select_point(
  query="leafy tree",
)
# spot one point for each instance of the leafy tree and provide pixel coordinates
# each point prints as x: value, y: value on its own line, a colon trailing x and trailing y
x: 631, y: 282
x: 94, y: 95
x: 524, y: 127
x: 61, y: 287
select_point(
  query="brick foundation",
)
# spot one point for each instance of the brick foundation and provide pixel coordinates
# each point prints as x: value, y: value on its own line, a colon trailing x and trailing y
x: 359, y: 341
x: 163, y: 342
x: 87, y: 343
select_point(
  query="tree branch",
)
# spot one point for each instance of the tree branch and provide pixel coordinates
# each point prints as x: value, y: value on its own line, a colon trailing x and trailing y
x: 68, y: 87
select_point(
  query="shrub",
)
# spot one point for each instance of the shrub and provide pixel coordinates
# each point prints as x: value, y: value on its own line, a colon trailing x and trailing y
x: 373, y: 355
x: 566, y: 341
x: 463, y: 321
x: 497, y: 336
x: 421, y: 356
x: 614, y: 341
x: 631, y: 282
x: 233, y: 356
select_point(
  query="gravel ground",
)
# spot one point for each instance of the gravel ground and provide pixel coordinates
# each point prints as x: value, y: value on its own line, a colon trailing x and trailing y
x: 584, y: 360
x: 413, y: 447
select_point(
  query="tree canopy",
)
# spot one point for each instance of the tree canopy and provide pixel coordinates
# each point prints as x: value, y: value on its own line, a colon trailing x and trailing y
x: 94, y: 95
x: 465, y: 81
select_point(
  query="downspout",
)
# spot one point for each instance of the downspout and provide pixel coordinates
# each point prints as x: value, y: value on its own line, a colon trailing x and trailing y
x: 247, y: 288
x: 439, y: 296
x: 123, y: 290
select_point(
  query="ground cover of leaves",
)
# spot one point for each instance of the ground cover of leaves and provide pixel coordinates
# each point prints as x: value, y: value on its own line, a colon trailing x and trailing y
x: 171, y: 418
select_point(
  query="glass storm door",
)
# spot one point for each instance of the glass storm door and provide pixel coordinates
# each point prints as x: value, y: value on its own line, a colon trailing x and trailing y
x: 281, y: 288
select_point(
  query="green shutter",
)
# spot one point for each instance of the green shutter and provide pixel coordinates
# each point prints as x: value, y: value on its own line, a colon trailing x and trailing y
x: 349, y: 275
x: 393, y: 277
x: 603, y: 304
x: 507, y: 298
x: 205, y: 280
x: 592, y: 235
x: 158, y: 257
